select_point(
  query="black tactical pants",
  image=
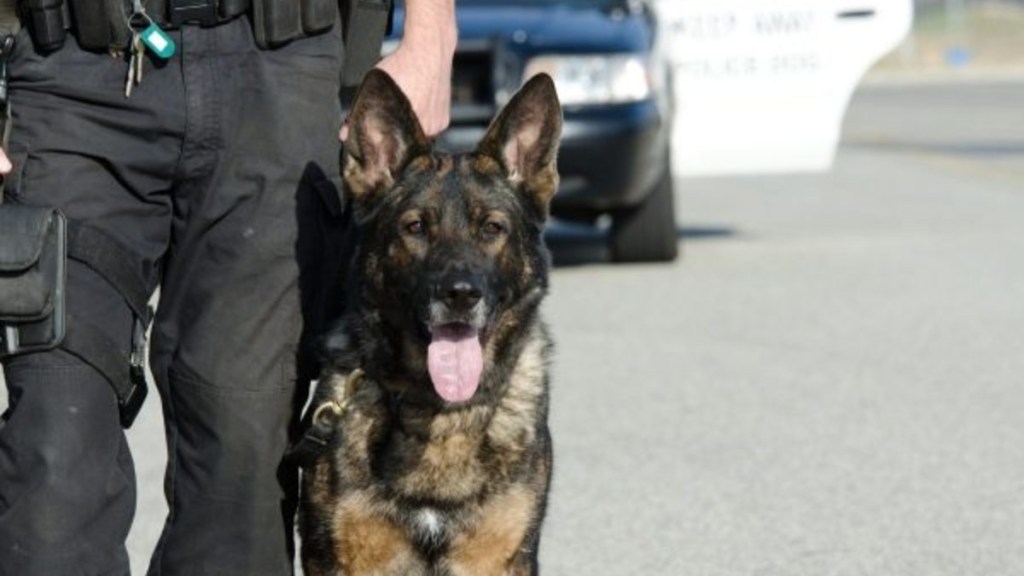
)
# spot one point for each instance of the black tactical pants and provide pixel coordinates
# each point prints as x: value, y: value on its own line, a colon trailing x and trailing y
x: 213, y: 171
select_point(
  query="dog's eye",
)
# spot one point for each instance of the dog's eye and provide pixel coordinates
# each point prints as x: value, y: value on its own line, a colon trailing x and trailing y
x: 415, y: 228
x: 493, y: 228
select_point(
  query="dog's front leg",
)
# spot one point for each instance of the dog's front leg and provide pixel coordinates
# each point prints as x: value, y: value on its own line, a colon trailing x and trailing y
x: 369, y: 544
x: 498, y: 544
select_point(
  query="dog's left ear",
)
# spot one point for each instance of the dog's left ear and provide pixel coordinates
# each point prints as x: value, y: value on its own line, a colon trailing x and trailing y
x: 384, y: 135
x: 524, y: 139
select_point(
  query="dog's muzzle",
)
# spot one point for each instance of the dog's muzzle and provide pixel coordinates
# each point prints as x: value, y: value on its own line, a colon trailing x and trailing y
x: 459, y: 291
x: 457, y: 319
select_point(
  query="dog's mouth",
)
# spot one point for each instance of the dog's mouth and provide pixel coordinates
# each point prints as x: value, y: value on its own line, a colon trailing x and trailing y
x: 455, y: 360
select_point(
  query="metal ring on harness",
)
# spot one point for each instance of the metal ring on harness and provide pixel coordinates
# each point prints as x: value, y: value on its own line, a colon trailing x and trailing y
x: 338, y: 407
x: 334, y: 407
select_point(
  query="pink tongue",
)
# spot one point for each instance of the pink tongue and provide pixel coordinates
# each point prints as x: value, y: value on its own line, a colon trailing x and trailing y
x: 455, y: 361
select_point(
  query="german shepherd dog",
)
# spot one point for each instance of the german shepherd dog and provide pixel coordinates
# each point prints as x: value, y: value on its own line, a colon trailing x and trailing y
x: 438, y: 458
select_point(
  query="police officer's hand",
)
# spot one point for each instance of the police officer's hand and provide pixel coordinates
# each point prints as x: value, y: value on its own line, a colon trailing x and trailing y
x: 425, y: 79
x: 5, y: 163
x: 422, y: 63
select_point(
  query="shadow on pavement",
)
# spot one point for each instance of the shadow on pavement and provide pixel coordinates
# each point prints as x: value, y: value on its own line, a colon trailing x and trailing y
x: 975, y: 149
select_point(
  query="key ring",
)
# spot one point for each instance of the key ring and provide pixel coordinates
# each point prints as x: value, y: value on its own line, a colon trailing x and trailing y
x: 138, y: 12
x: 143, y: 27
x: 138, y: 21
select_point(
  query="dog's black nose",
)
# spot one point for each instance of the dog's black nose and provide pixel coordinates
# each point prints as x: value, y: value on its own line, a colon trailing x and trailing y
x: 460, y: 293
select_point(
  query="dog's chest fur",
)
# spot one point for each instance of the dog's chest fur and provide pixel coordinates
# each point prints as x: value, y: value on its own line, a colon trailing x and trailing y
x: 424, y: 455
x: 441, y: 476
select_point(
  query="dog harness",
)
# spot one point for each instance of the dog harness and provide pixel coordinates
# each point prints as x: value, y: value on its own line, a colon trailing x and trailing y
x: 323, y: 424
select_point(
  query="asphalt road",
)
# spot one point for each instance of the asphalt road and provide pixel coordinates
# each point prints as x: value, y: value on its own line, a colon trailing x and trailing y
x: 829, y: 382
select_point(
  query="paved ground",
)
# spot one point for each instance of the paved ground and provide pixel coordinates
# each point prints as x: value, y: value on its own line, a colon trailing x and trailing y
x: 828, y: 383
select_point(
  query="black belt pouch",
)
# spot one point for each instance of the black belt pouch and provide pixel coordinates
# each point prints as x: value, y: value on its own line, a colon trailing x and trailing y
x: 33, y: 250
x: 277, y: 22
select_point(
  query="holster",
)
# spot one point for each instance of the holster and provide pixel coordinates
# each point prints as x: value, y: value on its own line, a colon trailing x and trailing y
x: 33, y: 251
x: 35, y: 243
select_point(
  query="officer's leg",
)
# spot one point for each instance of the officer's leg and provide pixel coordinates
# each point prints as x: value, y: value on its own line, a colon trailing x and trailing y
x: 67, y: 486
x: 226, y: 338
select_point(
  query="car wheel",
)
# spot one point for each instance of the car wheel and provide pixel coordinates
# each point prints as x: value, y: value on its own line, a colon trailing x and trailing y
x: 648, y: 232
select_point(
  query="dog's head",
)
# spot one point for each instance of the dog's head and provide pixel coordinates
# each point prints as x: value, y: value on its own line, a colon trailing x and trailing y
x: 452, y: 259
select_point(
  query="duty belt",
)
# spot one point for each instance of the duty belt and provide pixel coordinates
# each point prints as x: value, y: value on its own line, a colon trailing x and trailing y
x: 102, y: 25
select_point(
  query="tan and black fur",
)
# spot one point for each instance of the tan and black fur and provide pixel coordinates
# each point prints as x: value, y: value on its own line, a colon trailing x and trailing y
x: 411, y: 484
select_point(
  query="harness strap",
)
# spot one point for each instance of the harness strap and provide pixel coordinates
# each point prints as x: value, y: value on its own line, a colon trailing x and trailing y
x: 314, y: 442
x: 120, y: 267
x: 324, y: 424
x: 114, y: 262
x: 124, y: 372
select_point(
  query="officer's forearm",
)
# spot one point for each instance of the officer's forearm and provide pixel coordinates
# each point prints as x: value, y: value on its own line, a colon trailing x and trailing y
x: 422, y: 64
x: 430, y: 25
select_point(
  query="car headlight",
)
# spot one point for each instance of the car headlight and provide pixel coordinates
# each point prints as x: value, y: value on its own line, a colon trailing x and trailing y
x: 595, y: 78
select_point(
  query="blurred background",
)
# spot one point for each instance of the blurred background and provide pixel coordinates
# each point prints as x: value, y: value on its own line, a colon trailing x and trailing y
x: 788, y: 298
x: 972, y: 36
x: 828, y: 379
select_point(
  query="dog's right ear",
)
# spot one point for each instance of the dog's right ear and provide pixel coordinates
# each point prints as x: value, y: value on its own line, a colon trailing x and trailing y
x: 383, y: 135
x: 524, y: 140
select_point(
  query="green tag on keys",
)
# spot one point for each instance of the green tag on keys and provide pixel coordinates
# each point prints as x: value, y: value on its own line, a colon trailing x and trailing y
x: 158, y: 41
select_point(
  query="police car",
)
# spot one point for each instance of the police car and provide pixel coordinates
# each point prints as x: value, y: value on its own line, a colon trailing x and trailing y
x: 762, y: 86
x: 657, y: 90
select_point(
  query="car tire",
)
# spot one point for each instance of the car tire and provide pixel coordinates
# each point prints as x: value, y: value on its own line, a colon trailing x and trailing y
x: 648, y: 231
